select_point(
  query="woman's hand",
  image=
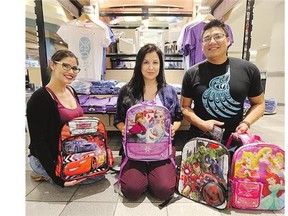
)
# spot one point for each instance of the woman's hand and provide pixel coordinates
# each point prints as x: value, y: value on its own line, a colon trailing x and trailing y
x: 173, y: 131
x: 123, y: 131
x: 73, y: 182
x: 121, y: 128
x: 174, y: 127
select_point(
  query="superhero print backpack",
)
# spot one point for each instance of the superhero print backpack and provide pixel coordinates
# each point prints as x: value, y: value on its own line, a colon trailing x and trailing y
x: 257, y: 174
x: 83, y: 149
x: 204, y: 172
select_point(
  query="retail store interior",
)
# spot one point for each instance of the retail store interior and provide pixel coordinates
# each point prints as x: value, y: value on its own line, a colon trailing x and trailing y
x: 258, y: 36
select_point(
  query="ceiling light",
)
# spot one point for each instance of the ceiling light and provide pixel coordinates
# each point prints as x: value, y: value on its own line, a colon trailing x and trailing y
x: 151, y: 1
x: 130, y: 18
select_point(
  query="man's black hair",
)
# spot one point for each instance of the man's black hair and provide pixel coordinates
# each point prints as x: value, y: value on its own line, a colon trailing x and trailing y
x: 215, y: 23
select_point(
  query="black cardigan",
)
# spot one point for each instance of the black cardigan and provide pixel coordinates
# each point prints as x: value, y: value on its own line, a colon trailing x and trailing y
x: 44, y: 128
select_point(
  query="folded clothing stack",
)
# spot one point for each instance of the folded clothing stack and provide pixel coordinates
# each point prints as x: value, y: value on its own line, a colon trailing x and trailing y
x: 111, y: 105
x: 95, y: 105
x: 83, y: 99
x: 270, y: 106
x: 103, y: 87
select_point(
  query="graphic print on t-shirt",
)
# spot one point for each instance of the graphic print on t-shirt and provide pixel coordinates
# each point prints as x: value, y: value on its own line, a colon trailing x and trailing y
x: 84, y: 47
x: 217, y: 99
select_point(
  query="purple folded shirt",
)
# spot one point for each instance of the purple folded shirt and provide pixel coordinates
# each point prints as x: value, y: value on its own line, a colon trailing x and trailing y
x: 112, y: 104
x: 95, y: 105
x: 83, y: 98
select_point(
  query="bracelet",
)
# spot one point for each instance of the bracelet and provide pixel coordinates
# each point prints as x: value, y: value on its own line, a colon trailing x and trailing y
x: 245, y: 122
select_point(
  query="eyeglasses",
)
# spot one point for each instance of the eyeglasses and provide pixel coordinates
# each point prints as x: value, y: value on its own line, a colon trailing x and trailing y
x: 216, y: 37
x: 68, y: 67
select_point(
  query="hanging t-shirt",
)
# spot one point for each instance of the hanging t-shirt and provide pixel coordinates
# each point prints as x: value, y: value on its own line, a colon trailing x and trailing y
x: 113, y: 40
x: 192, y: 44
x: 180, y: 41
x: 86, y: 41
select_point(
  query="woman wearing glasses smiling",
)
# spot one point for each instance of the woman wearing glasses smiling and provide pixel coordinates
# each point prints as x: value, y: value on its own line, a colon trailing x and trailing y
x: 48, y: 109
x: 218, y: 87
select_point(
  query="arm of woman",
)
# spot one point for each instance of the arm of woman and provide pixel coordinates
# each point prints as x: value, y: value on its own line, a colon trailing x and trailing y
x: 175, y: 126
x: 121, y: 109
x: 40, y: 109
x: 169, y: 98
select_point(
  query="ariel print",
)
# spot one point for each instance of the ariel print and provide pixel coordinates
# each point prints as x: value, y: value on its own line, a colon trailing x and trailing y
x: 258, y: 175
x: 272, y: 192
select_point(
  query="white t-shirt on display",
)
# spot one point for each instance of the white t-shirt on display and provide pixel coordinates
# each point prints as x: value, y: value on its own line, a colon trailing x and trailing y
x: 86, y: 41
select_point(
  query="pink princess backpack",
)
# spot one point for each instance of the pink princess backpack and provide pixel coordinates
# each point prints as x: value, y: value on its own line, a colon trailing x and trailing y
x: 257, y: 175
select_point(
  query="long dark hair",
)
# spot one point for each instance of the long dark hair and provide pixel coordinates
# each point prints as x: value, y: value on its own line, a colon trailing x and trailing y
x: 136, y: 84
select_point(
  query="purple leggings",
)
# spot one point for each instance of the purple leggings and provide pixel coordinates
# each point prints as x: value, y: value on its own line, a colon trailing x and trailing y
x: 158, y: 177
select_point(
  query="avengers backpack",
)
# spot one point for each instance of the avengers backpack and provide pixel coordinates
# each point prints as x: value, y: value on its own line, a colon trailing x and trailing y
x: 204, y: 172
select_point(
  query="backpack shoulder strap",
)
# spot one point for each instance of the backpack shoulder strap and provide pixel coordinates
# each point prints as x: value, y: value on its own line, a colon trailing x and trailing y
x: 117, y: 184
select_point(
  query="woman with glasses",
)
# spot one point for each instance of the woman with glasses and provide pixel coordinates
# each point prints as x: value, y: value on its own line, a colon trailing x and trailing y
x: 218, y: 87
x: 48, y: 109
x: 148, y: 83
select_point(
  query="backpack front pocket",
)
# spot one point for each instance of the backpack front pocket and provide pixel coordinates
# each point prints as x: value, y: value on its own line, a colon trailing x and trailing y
x: 247, y: 195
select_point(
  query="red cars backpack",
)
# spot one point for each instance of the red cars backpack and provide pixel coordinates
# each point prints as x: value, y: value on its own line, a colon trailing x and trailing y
x: 257, y: 174
x: 83, y: 149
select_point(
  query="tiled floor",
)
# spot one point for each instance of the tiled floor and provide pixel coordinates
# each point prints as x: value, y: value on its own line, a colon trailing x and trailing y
x: 100, y: 199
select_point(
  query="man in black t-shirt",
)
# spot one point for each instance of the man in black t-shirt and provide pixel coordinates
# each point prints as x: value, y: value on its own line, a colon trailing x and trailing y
x: 213, y: 91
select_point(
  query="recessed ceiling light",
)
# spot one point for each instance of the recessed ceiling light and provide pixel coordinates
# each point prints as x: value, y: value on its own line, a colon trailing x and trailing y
x: 151, y: 1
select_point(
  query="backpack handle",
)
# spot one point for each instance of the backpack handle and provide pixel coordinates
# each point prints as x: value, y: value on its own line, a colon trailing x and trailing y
x: 149, y: 102
x: 245, y: 138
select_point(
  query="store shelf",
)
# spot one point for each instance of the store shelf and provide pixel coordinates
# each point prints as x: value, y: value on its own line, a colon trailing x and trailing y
x: 125, y: 61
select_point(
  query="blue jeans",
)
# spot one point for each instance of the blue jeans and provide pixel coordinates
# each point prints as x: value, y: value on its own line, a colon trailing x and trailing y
x: 37, y: 166
x: 39, y: 170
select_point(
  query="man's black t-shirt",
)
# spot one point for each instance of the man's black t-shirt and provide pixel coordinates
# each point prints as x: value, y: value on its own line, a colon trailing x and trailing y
x: 218, y: 91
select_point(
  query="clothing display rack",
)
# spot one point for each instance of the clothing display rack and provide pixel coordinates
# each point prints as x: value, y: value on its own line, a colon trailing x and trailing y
x: 248, y: 29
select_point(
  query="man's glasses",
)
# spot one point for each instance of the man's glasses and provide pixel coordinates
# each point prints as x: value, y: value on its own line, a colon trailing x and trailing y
x: 68, y: 67
x: 216, y: 37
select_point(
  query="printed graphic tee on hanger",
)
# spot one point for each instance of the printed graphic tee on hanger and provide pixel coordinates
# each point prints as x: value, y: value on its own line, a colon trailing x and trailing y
x: 86, y: 41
